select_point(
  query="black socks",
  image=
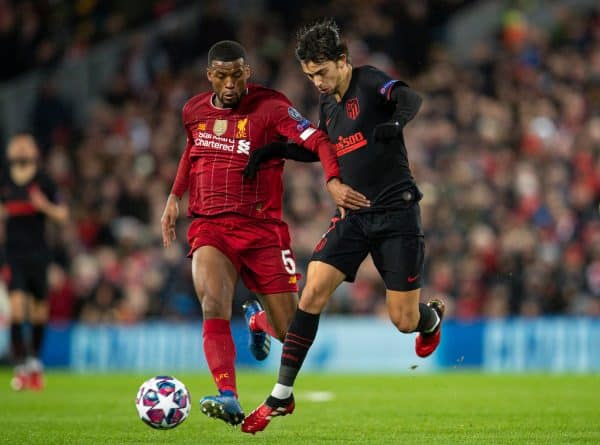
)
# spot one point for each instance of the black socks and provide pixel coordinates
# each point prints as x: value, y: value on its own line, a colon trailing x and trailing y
x: 298, y: 341
x: 428, y: 320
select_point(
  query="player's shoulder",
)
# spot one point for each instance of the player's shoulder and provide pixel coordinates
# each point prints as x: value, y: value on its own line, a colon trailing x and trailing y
x: 196, y: 102
x: 367, y: 73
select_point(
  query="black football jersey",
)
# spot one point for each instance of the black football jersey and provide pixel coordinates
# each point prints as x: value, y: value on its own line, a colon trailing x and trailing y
x: 25, y: 225
x: 380, y: 171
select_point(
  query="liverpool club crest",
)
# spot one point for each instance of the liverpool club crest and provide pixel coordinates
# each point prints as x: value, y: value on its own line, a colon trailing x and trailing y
x: 220, y: 127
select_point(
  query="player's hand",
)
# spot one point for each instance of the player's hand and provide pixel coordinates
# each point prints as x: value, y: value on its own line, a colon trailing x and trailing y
x: 168, y: 220
x: 38, y: 199
x: 252, y: 166
x: 387, y: 131
x: 345, y: 196
x: 261, y: 155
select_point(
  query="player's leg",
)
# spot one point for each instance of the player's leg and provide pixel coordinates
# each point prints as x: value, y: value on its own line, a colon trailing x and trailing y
x: 322, y: 280
x: 335, y: 259
x: 269, y: 270
x: 399, y: 258
x: 409, y: 315
x: 18, y: 301
x: 38, y: 315
x: 39, y: 320
x: 279, y: 311
x: 214, y: 277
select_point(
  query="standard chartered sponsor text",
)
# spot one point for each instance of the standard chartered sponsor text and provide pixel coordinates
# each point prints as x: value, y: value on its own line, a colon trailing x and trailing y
x: 215, y: 142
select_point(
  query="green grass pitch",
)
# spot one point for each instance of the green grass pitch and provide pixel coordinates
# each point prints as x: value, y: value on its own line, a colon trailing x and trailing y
x: 451, y: 408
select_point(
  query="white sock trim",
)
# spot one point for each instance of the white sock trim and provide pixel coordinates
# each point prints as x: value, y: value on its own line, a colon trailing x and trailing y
x: 281, y: 391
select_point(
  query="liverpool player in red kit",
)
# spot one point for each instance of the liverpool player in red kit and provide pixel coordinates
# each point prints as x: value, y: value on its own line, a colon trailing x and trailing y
x: 363, y: 111
x: 237, y: 231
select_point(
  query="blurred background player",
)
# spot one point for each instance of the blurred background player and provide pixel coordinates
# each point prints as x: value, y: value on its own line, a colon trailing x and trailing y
x: 363, y: 110
x: 29, y: 198
x: 237, y: 231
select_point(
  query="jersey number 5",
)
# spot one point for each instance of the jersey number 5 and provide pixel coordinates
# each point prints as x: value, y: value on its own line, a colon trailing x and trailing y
x: 288, y: 261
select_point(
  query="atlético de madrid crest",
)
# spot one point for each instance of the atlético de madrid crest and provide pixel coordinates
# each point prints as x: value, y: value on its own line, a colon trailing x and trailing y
x: 352, y: 108
x: 220, y: 127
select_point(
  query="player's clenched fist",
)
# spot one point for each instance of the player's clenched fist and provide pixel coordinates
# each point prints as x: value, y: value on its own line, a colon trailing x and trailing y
x: 345, y: 196
x: 168, y: 220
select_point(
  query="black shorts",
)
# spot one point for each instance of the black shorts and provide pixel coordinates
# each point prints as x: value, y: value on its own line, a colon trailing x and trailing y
x: 29, y: 274
x: 394, y: 239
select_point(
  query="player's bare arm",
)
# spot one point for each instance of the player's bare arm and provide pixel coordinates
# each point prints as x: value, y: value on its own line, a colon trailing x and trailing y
x: 57, y: 212
x: 345, y: 196
x: 169, y: 219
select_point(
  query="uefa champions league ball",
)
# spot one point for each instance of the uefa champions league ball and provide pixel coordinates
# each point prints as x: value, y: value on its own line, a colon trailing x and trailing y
x: 163, y: 402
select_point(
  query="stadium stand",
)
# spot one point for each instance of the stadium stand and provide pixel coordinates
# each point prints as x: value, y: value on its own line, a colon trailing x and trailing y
x: 506, y: 150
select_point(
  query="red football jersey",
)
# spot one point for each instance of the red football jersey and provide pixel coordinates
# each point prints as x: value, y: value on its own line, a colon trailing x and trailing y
x: 219, y: 142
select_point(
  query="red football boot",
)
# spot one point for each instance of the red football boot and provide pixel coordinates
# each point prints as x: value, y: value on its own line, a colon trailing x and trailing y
x: 36, y: 375
x: 425, y: 344
x: 36, y: 381
x: 261, y: 416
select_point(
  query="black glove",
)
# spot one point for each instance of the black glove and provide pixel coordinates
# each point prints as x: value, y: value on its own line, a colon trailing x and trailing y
x: 262, y: 155
x: 387, y: 131
x: 276, y: 150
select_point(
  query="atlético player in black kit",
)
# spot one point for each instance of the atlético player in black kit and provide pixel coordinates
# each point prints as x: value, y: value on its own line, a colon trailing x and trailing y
x: 28, y: 198
x: 363, y: 110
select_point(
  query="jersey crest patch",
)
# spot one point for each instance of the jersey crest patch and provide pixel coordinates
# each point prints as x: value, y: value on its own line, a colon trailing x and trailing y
x: 353, y: 108
x: 387, y: 87
x: 241, y: 131
x: 294, y: 114
x: 220, y: 127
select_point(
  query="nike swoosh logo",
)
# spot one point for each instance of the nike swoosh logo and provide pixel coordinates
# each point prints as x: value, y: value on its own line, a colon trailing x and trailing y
x: 412, y: 279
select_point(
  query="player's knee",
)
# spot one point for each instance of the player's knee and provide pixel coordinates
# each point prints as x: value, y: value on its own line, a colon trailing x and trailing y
x: 214, y: 307
x: 39, y: 313
x: 17, y: 316
x: 405, y: 322
x: 17, y: 306
x: 314, y: 298
x: 281, y: 331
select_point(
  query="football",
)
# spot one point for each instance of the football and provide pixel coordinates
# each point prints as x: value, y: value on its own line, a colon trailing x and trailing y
x: 163, y: 402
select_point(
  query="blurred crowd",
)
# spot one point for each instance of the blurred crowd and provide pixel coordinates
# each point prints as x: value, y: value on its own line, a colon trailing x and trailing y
x: 41, y: 33
x: 506, y: 149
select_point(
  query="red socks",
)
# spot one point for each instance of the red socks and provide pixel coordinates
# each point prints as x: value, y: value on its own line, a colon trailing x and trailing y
x: 219, y: 351
x: 260, y: 321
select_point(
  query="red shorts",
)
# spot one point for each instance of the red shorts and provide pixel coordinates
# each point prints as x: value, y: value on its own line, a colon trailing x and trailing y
x: 259, y: 249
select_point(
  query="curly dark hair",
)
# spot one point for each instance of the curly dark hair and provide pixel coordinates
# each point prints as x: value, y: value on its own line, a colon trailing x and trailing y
x: 320, y: 42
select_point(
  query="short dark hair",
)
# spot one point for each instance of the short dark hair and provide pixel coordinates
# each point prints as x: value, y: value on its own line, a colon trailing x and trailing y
x: 226, y: 51
x: 320, y: 42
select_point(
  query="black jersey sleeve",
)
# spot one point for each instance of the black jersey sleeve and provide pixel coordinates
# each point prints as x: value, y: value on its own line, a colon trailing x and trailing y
x: 277, y: 150
x: 407, y: 103
x: 394, y: 91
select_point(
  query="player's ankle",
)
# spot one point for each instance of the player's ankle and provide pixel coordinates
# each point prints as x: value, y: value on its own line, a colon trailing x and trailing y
x: 274, y: 402
x: 282, y: 392
x: 228, y: 392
